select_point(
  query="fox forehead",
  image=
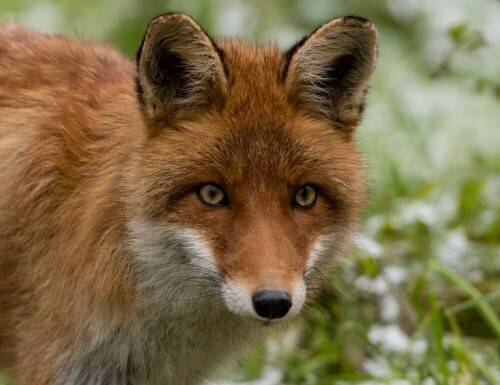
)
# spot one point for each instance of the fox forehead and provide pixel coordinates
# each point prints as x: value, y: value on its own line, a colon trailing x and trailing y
x: 255, y: 74
x: 267, y: 153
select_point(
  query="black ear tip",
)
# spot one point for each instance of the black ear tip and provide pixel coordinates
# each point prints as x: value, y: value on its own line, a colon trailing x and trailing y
x: 357, y: 21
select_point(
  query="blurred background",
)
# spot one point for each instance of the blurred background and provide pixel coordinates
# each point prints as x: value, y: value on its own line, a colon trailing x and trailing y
x: 418, y: 299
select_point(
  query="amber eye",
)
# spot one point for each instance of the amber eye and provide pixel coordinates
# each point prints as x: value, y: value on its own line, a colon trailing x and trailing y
x: 305, y: 197
x: 211, y: 195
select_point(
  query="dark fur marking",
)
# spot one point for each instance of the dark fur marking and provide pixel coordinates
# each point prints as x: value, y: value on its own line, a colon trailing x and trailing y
x: 222, y: 58
x: 171, y: 72
x: 289, y: 54
x: 356, y: 21
x: 139, y: 90
x: 338, y: 71
x: 138, y: 85
x: 139, y: 51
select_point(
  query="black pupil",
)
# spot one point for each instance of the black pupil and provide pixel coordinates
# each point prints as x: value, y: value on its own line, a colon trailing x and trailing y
x: 305, y: 196
x: 305, y: 192
x: 212, y: 192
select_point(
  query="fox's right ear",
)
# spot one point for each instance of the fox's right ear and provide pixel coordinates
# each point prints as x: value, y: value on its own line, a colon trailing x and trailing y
x: 179, y: 68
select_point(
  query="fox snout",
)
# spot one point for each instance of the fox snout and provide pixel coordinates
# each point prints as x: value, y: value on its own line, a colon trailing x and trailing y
x: 274, y: 303
x: 266, y: 279
x: 263, y: 268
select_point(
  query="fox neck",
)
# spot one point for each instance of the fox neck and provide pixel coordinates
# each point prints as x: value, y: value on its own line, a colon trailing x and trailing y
x: 173, y: 346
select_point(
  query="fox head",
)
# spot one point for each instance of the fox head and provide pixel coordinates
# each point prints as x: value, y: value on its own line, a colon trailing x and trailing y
x: 248, y: 183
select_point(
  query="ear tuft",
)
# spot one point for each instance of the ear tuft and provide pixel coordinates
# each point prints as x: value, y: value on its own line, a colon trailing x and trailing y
x: 179, y: 68
x: 327, y: 73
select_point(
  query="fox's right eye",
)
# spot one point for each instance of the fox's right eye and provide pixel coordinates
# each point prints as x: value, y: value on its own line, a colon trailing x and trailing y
x: 212, y: 195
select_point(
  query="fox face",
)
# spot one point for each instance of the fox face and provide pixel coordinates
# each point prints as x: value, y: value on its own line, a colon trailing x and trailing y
x: 248, y: 183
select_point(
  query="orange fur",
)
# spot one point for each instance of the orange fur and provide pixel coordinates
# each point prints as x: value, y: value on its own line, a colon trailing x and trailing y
x: 88, y: 170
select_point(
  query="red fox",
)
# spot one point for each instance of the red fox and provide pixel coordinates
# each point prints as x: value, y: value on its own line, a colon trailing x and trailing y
x: 157, y: 218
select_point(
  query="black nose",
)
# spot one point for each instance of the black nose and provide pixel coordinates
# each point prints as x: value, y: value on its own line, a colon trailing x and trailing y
x: 271, y: 303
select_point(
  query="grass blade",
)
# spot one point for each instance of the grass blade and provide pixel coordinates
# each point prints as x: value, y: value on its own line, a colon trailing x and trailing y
x: 484, y: 308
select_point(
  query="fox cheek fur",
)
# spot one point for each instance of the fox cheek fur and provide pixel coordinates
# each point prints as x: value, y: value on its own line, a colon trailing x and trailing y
x: 114, y: 268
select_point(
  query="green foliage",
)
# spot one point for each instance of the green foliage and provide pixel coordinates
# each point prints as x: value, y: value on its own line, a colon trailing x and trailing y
x: 4, y: 380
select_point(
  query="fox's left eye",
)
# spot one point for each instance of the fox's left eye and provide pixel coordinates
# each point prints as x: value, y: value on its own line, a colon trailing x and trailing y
x: 305, y: 197
x: 211, y: 195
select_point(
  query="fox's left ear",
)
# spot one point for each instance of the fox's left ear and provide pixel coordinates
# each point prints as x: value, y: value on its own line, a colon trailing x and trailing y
x: 328, y: 72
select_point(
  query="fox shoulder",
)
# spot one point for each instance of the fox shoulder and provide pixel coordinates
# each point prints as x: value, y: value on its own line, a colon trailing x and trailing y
x: 32, y: 60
